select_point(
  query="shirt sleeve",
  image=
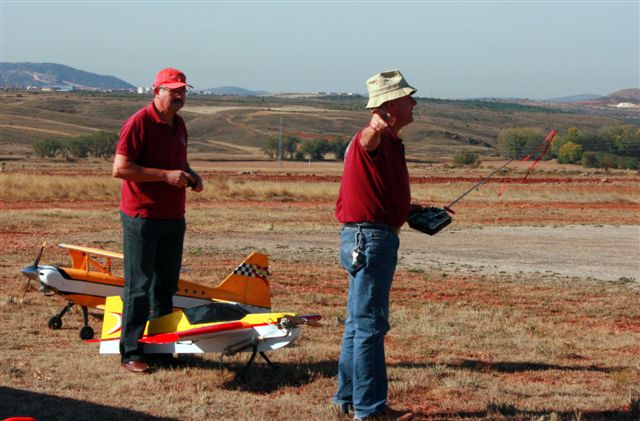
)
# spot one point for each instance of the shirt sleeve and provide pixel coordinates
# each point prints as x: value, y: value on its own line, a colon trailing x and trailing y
x: 131, y: 141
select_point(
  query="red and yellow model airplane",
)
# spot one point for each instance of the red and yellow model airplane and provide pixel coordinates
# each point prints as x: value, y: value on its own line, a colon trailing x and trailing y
x: 217, y: 326
x: 89, y: 280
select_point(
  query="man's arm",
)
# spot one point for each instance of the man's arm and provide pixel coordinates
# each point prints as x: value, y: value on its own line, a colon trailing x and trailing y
x: 370, y: 136
x: 126, y: 169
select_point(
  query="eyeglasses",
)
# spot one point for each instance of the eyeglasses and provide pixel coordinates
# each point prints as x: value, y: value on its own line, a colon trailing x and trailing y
x: 178, y: 91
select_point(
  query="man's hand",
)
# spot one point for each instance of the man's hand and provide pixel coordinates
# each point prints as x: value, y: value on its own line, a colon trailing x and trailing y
x: 178, y: 178
x: 196, y: 185
x: 380, y: 121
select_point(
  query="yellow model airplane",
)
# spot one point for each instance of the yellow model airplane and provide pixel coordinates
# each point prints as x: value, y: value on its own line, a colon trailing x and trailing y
x: 217, y: 326
x: 89, y: 280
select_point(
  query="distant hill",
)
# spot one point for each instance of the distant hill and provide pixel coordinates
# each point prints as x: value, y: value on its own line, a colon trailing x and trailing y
x: 626, y: 95
x: 573, y: 98
x: 49, y: 75
x: 631, y: 96
x: 231, y: 90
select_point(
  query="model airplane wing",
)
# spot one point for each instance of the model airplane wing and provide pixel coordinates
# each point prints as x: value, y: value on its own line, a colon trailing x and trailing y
x: 214, y: 327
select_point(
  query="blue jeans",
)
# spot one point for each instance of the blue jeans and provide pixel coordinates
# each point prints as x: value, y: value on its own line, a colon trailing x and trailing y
x: 362, y: 373
x: 152, y: 260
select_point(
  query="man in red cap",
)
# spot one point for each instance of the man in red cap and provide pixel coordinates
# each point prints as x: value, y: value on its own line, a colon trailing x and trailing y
x: 151, y: 160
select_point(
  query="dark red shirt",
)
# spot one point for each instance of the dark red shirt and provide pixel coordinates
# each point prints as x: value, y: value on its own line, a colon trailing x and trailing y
x: 149, y: 142
x: 375, y: 186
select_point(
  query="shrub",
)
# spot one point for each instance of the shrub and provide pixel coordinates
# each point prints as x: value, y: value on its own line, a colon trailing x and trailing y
x: 465, y: 158
x: 590, y: 160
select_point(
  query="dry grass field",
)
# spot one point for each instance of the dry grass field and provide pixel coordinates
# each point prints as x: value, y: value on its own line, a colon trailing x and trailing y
x: 468, y: 340
x: 526, y: 307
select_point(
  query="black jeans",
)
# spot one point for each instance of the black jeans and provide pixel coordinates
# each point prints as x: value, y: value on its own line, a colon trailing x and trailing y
x: 152, y: 259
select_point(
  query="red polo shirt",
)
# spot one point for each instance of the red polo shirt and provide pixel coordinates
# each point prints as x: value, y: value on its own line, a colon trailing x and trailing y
x: 375, y: 186
x: 149, y: 142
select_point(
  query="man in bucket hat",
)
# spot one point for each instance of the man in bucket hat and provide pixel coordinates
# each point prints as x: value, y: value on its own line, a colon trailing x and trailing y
x: 151, y: 160
x: 373, y: 203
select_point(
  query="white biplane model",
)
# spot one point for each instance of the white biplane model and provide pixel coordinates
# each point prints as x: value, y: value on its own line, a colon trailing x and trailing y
x: 89, y: 280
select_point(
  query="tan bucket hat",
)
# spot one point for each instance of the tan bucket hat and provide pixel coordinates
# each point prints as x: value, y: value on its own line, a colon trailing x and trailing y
x: 387, y: 86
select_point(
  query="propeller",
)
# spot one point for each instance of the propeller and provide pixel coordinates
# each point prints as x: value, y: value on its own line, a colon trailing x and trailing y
x: 312, y: 320
x: 31, y: 272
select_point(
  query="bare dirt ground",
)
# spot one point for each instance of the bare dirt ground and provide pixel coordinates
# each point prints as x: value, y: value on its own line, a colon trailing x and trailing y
x: 600, y: 252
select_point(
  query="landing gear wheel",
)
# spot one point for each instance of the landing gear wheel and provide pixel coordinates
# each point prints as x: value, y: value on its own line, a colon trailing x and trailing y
x: 86, y: 332
x: 55, y: 323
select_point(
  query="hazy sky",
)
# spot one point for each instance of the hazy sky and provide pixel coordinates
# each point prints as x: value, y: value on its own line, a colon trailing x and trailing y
x: 446, y: 49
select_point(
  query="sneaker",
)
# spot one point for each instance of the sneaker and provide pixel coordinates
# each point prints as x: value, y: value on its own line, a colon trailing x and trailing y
x: 388, y: 414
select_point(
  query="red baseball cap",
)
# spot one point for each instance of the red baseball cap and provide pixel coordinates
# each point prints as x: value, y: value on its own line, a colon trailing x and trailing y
x: 171, y: 78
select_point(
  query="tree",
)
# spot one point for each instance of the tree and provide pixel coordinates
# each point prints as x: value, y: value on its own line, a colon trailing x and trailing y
x: 47, y: 148
x: 625, y: 139
x: 101, y: 144
x: 76, y: 147
x: 315, y: 148
x: 518, y: 143
x: 270, y: 147
x: 290, y: 146
x: 570, y: 153
x: 339, y: 146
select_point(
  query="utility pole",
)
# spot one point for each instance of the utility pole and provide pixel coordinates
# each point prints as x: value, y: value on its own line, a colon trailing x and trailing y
x: 280, y: 151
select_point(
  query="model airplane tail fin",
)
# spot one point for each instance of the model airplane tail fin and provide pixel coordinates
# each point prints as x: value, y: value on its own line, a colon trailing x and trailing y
x: 112, y: 323
x: 248, y: 283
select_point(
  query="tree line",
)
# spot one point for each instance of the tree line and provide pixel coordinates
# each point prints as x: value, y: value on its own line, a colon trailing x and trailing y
x: 99, y: 145
x: 609, y: 147
x: 295, y: 149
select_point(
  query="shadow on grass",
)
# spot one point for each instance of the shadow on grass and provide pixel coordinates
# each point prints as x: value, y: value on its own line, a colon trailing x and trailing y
x: 508, y: 366
x: 260, y: 377
x: 25, y: 403
x: 528, y: 415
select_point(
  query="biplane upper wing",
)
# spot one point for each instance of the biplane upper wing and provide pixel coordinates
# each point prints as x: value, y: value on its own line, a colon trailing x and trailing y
x: 92, y: 251
x: 248, y: 284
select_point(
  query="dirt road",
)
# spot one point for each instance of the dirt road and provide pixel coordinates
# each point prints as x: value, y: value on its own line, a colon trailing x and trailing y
x: 602, y: 252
